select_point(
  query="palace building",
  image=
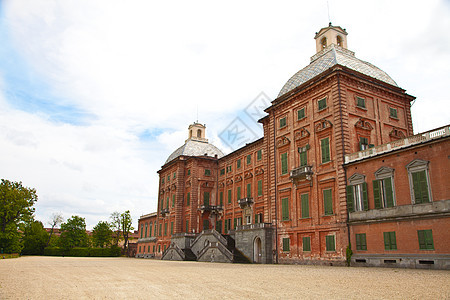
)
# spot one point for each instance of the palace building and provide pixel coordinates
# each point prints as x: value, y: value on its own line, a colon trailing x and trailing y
x: 337, y: 169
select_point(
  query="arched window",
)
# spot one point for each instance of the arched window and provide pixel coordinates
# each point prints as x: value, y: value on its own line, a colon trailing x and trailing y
x: 323, y: 42
x: 339, y: 41
x: 199, y: 133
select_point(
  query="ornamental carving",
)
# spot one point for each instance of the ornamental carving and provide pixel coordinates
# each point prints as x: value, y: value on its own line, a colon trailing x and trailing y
x: 248, y: 175
x: 301, y: 134
x: 259, y: 171
x: 397, y: 133
x: 207, y: 184
x: 363, y: 124
x: 174, y: 187
x: 221, y: 184
x: 229, y: 181
x: 188, y: 183
x: 238, y: 178
x: 323, y: 125
x: 283, y: 141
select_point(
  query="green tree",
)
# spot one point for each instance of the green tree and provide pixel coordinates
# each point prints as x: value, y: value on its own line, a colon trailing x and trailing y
x: 102, y: 234
x: 54, y: 222
x: 73, y: 233
x: 34, y: 238
x: 16, y: 207
x: 116, y: 225
x: 126, y: 221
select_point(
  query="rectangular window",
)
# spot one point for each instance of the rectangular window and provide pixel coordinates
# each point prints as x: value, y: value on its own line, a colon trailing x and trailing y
x: 284, y: 163
x: 207, y: 172
x: 188, y: 199
x: 303, y: 155
x: 258, y: 218
x: 383, y: 193
x: 329, y: 243
x: 229, y: 196
x: 420, y: 187
x: 363, y: 143
x: 222, y: 171
x: 249, y: 159
x: 286, y: 244
x: 425, y: 239
x: 187, y: 225
x: 171, y: 228
x: 322, y: 103
x: 150, y: 229
x: 259, y: 187
x: 285, y: 209
x: 357, y: 197
x: 306, y: 243
x: 238, y: 193
x: 162, y: 180
x: 360, y: 102
x: 165, y: 228
x: 174, y: 175
x: 206, y: 198
x: 259, y: 155
x: 361, y: 241
x: 154, y: 248
x: 167, y: 202
x: 249, y: 190
x: 390, y: 242
x: 301, y: 114
x: 189, y: 172
x: 305, y: 205
x: 328, y: 202
x: 393, y: 113
x: 221, y: 198
x: 168, y: 177
x: 146, y: 228
x: 283, y: 122
x: 238, y: 163
x: 142, y: 230
x: 325, y: 147
x: 160, y: 229
x: 173, y: 200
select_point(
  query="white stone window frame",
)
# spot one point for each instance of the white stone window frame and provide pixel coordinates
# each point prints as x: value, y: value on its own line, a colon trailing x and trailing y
x: 383, y: 173
x: 356, y: 180
x: 418, y: 165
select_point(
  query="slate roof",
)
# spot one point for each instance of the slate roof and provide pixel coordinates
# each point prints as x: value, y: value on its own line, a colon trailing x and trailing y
x: 196, y: 148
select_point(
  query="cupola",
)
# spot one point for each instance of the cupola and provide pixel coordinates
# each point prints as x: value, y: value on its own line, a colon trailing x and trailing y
x: 330, y: 35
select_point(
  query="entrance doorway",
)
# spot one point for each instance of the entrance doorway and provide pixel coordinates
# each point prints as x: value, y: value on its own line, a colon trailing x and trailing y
x: 257, y: 250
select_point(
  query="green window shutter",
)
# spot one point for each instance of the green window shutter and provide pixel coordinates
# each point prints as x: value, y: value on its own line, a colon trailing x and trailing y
x: 188, y: 199
x: 284, y: 163
x: 221, y: 198
x: 142, y: 230
x: 329, y: 243
x: 305, y: 205
x: 365, y: 198
x: 420, y: 187
x: 235, y: 223
x: 363, y: 242
x: 389, y: 192
x: 167, y: 202
x: 173, y: 200
x: 322, y: 103
x: 303, y: 158
x: 282, y: 122
x: 150, y: 230
x: 416, y: 188
x: 425, y: 239
x: 187, y: 225
x: 387, y: 245
x: 377, y: 194
x: 238, y: 192
x: 165, y: 228
x: 171, y: 228
x: 286, y: 244
x: 161, y: 203
x: 350, y: 199
x: 259, y: 155
x: 206, y: 198
x: 393, y: 240
x: 328, y: 202
x: 238, y: 163
x: 325, y: 147
x: 146, y: 227
x: 300, y: 114
x: 285, y: 209
x: 160, y: 229
x: 259, y: 187
x: 249, y: 159
x: 306, y: 243
x: 229, y: 196
x: 249, y: 190
x: 189, y: 172
x: 358, y: 241
x: 421, y: 235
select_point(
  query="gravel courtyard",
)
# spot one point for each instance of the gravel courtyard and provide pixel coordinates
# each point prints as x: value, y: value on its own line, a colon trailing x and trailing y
x: 126, y: 278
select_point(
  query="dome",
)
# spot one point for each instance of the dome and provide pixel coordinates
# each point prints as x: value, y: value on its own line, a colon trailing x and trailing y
x: 329, y: 57
x: 196, y: 144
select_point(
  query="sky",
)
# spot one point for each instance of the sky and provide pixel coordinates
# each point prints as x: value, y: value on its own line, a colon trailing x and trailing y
x: 95, y: 95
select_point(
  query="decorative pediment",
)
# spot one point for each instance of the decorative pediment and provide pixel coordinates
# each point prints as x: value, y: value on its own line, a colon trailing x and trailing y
x: 356, y: 179
x: 221, y: 184
x: 384, y: 172
x: 188, y: 183
x: 397, y: 134
x: 323, y: 125
x: 238, y: 178
x: 174, y: 187
x: 283, y: 141
x: 363, y: 124
x: 259, y: 171
x: 301, y: 134
x: 417, y: 164
x: 248, y: 175
x: 229, y: 181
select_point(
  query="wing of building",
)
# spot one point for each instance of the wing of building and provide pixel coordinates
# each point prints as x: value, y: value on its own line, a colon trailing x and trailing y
x: 338, y: 168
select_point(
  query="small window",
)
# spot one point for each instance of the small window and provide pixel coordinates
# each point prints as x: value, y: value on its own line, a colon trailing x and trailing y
x: 259, y: 155
x: 301, y: 114
x: 259, y: 187
x: 304, y: 198
x: 390, y: 242
x: 189, y: 172
x: 306, y: 243
x: 286, y: 244
x: 325, y: 149
x: 168, y: 178
x: 283, y: 122
x: 238, y: 164
x: 222, y: 171
x: 360, y: 102
x: 174, y: 175
x: 419, y: 181
x: 249, y: 190
x: 363, y: 143
x: 285, y: 209
x: 357, y: 199
x: 330, y: 243
x: 303, y: 155
x: 207, y: 172
x: 361, y: 241
x: 206, y: 198
x: 229, y: 196
x: 284, y: 163
x: 249, y: 159
x: 228, y: 169
x: 425, y: 239
x: 328, y: 202
x: 322, y: 103
x: 221, y: 198
x: 393, y: 113
x: 173, y: 200
x: 383, y: 188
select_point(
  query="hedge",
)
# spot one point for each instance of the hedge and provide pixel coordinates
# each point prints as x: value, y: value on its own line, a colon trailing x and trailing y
x: 82, y: 252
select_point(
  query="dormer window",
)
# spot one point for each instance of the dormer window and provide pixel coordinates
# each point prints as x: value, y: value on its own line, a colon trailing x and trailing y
x: 323, y: 42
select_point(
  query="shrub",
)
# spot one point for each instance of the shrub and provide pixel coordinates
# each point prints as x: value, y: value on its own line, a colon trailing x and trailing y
x: 54, y: 251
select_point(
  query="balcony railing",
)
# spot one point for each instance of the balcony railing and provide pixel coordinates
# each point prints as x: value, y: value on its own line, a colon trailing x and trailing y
x: 406, y: 142
x: 210, y: 208
x: 164, y: 212
x: 245, y: 202
x: 301, y: 173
